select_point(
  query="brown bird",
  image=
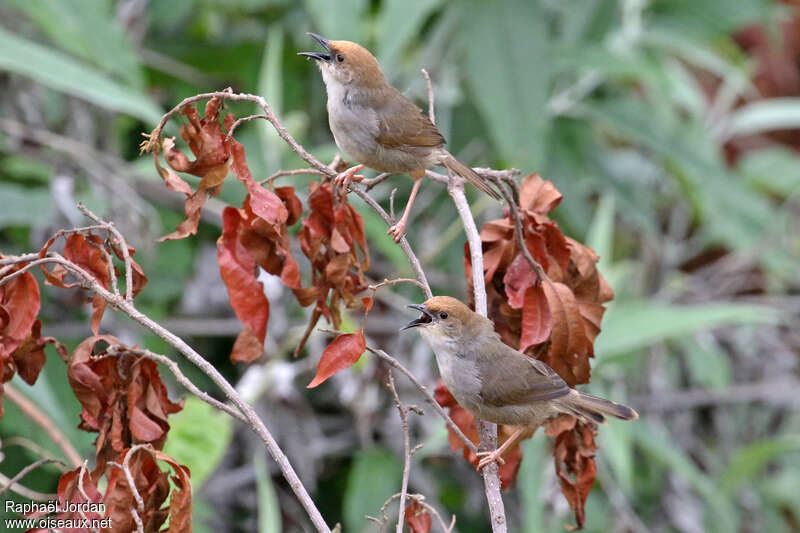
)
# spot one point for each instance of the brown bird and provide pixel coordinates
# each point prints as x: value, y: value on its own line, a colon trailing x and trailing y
x: 378, y: 126
x: 495, y: 382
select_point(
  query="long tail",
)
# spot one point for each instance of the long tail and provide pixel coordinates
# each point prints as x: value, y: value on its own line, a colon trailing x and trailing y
x: 470, y: 175
x: 594, y: 408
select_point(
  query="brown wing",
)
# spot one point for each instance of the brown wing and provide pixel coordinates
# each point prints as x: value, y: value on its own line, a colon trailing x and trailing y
x: 522, y: 380
x: 413, y: 132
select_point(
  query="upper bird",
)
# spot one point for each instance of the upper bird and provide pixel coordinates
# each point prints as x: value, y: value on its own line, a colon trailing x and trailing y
x: 495, y: 382
x: 378, y: 126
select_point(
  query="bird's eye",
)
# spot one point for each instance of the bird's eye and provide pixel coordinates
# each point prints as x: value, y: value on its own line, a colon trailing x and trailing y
x: 443, y: 315
x: 340, y: 58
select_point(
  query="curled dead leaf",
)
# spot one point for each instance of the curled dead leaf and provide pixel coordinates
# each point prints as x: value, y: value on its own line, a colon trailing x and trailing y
x: 342, y: 353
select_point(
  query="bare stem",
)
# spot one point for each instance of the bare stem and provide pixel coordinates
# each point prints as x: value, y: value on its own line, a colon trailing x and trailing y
x: 403, y: 410
x: 426, y: 393
x: 24, y: 472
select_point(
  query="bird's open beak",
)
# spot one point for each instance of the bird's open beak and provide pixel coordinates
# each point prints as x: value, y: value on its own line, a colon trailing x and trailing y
x: 316, y: 55
x: 426, y: 317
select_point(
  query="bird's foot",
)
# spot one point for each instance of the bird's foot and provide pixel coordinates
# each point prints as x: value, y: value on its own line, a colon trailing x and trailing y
x: 488, y: 458
x: 344, y: 178
x: 397, y: 231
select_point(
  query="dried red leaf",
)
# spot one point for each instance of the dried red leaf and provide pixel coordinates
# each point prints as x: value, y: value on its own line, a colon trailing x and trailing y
x: 212, y: 152
x: 292, y: 203
x: 180, y: 498
x: 238, y: 270
x: 122, y: 397
x: 537, y: 321
x: 264, y: 203
x: 333, y: 239
x: 569, y: 349
x: 417, y: 518
x: 79, y: 487
x: 538, y: 195
x: 519, y: 277
x: 139, y: 279
x: 342, y: 353
x: 152, y: 485
x: 29, y: 357
x: 573, y: 453
x: 90, y: 254
x: 247, y: 346
x: 19, y: 306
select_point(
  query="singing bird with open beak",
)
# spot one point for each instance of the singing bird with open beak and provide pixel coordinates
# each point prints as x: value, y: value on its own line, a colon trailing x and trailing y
x: 495, y: 382
x: 379, y: 127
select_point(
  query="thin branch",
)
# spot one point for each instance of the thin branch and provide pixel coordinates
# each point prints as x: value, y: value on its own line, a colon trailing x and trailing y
x: 25, y: 492
x: 412, y: 257
x: 431, y: 101
x: 31, y: 446
x: 84, y: 470
x: 126, y: 469
x: 32, y: 411
x: 395, y: 281
x: 420, y: 499
x: 24, y: 268
x: 24, y: 472
x: 403, y: 410
x: 426, y: 393
x: 368, y: 184
x: 239, y: 121
x: 123, y: 244
x: 296, y: 172
x: 518, y: 233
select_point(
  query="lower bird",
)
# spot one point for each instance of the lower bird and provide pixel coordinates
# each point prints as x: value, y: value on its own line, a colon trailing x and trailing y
x: 379, y: 127
x: 495, y: 382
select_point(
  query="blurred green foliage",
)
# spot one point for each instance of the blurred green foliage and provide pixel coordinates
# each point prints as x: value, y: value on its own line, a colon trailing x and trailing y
x: 610, y: 100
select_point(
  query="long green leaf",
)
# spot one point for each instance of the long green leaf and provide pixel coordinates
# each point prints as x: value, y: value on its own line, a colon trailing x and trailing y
x: 398, y: 22
x: 628, y: 327
x: 751, y: 459
x: 63, y: 73
x: 269, y: 509
x: 89, y: 30
x: 507, y: 66
x: 374, y: 476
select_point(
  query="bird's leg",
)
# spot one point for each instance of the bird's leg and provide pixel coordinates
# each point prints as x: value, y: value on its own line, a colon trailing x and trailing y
x: 490, y: 457
x: 344, y: 178
x: 399, y: 229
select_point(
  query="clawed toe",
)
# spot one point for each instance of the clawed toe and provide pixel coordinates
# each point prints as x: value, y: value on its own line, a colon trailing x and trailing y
x: 397, y: 231
x: 488, y: 458
x: 343, y: 179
